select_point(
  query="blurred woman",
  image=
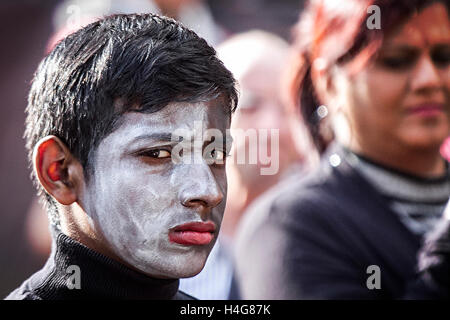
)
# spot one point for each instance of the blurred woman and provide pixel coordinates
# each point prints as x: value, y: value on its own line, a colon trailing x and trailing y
x: 372, y: 83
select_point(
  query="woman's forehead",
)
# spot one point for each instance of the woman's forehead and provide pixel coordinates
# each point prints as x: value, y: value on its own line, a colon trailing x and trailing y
x: 429, y: 27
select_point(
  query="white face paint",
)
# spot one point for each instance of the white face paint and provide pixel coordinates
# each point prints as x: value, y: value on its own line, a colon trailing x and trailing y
x: 134, y: 198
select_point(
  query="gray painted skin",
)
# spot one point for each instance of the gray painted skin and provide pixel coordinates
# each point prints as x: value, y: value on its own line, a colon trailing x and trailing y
x: 134, y: 200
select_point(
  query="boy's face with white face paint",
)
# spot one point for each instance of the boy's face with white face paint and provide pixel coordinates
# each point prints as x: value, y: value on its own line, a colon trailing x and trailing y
x: 156, y: 215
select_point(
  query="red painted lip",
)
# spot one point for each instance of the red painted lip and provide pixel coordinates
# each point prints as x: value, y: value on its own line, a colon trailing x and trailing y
x: 193, y: 233
x: 427, y: 109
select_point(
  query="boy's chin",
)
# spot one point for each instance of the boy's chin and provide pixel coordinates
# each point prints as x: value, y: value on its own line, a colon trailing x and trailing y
x: 190, y: 271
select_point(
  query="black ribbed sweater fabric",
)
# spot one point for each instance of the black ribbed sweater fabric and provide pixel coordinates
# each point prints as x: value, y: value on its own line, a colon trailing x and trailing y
x: 100, y: 278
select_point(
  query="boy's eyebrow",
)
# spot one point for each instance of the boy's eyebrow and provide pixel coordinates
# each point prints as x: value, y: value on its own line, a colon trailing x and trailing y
x: 164, y: 136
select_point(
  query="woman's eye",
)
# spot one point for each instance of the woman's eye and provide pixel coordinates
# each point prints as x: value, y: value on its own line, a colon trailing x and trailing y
x: 157, y: 153
x: 441, y: 58
x: 397, y: 63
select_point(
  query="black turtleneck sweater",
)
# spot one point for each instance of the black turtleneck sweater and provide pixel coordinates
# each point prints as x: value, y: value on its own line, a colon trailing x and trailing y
x: 419, y: 202
x: 100, y: 278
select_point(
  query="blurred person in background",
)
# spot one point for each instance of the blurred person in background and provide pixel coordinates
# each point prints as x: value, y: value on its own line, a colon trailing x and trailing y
x: 195, y: 14
x: 375, y: 96
x: 24, y: 28
x: 239, y: 16
x: 256, y: 59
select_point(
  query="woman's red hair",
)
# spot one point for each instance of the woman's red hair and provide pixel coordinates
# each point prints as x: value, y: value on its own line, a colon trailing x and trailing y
x: 337, y: 32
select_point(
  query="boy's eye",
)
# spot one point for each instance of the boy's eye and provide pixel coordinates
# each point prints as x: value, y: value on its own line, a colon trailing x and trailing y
x: 218, y: 154
x: 157, y: 153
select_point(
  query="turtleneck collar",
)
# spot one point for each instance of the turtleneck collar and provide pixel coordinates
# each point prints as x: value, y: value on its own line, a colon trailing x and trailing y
x: 395, y: 183
x: 101, y: 277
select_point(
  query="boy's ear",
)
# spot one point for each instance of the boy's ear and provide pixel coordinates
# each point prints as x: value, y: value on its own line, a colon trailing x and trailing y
x: 60, y: 174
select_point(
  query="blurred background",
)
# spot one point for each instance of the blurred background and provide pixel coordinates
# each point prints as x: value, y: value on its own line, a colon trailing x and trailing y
x: 29, y: 29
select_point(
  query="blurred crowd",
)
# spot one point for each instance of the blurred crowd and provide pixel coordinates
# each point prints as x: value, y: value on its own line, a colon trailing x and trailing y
x: 360, y: 117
